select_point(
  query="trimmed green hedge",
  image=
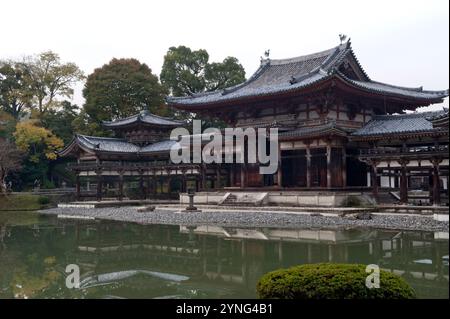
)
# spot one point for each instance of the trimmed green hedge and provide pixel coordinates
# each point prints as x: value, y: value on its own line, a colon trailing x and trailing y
x: 330, y: 281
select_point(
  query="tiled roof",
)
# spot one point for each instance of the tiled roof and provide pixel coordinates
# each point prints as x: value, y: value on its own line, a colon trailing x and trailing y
x: 278, y: 76
x: 116, y: 145
x: 106, y: 144
x: 329, y: 127
x: 144, y: 117
x: 159, y: 146
x: 438, y: 115
x: 395, y: 124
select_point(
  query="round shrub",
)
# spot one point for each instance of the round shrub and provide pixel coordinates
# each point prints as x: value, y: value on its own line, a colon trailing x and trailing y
x: 330, y: 281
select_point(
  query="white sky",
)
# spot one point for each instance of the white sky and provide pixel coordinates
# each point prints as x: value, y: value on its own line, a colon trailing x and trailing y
x: 402, y: 42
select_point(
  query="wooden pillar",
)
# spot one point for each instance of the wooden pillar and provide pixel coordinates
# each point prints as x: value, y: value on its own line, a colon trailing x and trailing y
x: 328, y: 164
x: 169, y: 182
x: 218, y: 177
x: 141, y: 184
x: 121, y: 185
x: 231, y: 172
x: 203, y: 177
x: 78, y: 188
x: 99, y: 185
x: 308, y: 166
x: 403, y: 182
x: 183, y: 182
x: 243, y: 175
x: 436, y: 183
x: 374, y: 179
x: 149, y: 185
x: 344, y: 167
x: 280, y: 171
x: 390, y: 177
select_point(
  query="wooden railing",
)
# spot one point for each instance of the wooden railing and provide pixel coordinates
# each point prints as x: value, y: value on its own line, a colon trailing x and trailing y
x: 415, y: 150
x: 129, y: 166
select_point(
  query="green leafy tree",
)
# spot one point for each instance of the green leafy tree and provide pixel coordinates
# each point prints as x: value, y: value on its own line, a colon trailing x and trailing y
x: 59, y: 121
x: 15, y: 88
x: 186, y: 72
x: 222, y: 75
x: 85, y: 124
x: 7, y: 125
x: 183, y: 71
x: 121, y: 88
x: 50, y: 79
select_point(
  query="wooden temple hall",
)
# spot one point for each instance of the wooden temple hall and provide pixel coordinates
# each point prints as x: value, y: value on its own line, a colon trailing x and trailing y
x: 339, y: 130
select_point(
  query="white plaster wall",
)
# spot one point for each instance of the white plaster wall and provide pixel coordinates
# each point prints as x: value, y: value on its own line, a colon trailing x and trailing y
x: 384, y: 181
x: 445, y: 182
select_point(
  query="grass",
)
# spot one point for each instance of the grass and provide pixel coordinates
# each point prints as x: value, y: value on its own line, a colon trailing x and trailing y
x: 19, y: 202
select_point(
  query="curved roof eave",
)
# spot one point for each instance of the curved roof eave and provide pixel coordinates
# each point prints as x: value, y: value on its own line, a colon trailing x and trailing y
x: 440, y: 95
x: 75, y: 142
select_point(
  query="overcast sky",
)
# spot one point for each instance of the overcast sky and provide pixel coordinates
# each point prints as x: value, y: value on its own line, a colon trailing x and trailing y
x: 399, y: 42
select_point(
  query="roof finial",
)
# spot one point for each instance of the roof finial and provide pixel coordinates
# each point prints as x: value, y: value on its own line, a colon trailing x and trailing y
x: 267, y: 53
x: 342, y: 37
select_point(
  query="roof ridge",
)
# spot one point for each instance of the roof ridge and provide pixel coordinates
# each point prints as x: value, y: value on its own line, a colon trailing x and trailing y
x: 415, y: 89
x: 122, y: 119
x: 194, y: 95
x: 101, y: 137
x: 407, y: 115
x: 307, y: 57
x: 162, y: 117
x: 357, y: 61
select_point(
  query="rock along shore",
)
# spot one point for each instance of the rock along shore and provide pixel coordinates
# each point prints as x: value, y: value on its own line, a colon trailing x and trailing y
x: 253, y: 219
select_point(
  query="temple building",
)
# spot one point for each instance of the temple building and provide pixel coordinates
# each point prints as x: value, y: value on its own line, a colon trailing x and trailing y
x: 339, y: 131
x: 140, y: 155
x: 335, y: 125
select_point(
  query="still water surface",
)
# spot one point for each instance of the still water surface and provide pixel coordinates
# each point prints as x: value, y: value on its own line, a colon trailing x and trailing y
x: 126, y: 260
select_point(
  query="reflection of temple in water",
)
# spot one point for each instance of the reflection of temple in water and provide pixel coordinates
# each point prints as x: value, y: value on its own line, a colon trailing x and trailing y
x: 234, y: 259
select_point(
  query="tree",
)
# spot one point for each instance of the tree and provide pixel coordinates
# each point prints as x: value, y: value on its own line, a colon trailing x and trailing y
x: 40, y: 146
x: 50, y: 79
x: 15, y: 88
x: 183, y: 71
x: 222, y: 75
x: 84, y: 124
x: 10, y: 160
x: 39, y: 142
x: 7, y: 125
x: 121, y: 88
x: 60, y: 121
x: 186, y: 72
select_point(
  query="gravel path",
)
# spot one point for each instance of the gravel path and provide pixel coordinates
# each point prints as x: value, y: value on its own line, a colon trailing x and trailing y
x: 254, y: 219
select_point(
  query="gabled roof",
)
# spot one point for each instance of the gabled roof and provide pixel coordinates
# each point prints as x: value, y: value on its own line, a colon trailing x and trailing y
x: 383, y: 125
x: 96, y: 144
x: 144, y: 117
x: 281, y: 76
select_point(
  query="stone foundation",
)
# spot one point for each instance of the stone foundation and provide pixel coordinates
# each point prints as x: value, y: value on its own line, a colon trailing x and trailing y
x: 275, y: 198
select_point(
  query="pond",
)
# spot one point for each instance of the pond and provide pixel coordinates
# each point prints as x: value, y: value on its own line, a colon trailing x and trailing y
x: 127, y: 260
